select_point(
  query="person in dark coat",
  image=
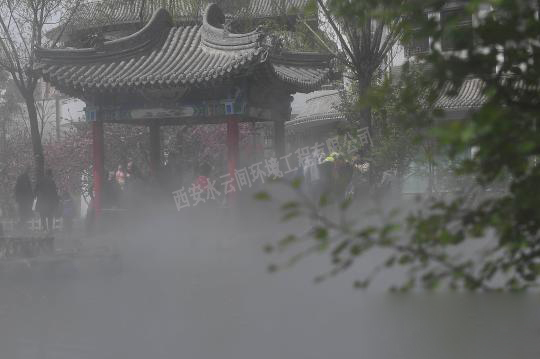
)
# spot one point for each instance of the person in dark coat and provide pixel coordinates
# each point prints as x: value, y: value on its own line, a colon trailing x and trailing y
x: 326, y: 169
x: 111, y: 192
x: 47, y: 200
x: 90, y: 220
x: 24, y: 196
x: 68, y: 212
x: 343, y: 172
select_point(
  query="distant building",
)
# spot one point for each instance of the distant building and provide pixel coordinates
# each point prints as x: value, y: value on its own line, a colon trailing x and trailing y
x: 317, y: 118
x: 56, y: 112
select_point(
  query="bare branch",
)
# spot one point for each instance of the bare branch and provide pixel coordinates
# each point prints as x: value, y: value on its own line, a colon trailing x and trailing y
x: 22, y: 38
x: 67, y: 22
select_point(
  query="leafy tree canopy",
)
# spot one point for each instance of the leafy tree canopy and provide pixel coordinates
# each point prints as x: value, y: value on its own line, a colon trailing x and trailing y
x: 499, y: 210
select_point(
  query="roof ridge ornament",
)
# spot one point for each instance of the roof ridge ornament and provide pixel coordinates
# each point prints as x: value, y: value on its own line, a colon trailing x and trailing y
x: 227, y: 26
x: 216, y: 32
x: 214, y: 16
x: 274, y: 44
x: 98, y: 41
x: 206, y: 55
x: 139, y: 42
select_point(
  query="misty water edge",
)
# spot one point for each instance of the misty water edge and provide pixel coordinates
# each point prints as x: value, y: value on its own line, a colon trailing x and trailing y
x: 195, y: 285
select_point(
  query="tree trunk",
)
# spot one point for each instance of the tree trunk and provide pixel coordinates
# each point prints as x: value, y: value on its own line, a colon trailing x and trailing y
x: 39, y: 158
x: 364, y: 83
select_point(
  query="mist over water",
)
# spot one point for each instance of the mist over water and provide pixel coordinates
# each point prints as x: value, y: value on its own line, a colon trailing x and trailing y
x: 194, y: 284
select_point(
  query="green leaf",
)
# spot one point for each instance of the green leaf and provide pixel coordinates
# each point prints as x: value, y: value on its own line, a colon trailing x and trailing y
x: 296, y: 183
x: 290, y: 215
x: 346, y: 204
x: 362, y: 284
x: 389, y: 229
x: 390, y: 262
x: 268, y: 248
x: 288, y: 240
x: 356, y: 250
x: 405, y: 259
x: 323, y: 201
x: 262, y: 196
x: 290, y: 205
x: 320, y: 233
x: 323, y: 246
x: 366, y: 233
x: 340, y: 248
x: 408, y: 286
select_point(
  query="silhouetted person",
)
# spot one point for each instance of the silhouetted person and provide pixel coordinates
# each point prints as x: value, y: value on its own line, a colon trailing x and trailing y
x: 136, y: 190
x: 111, y: 192
x: 68, y: 213
x: 326, y: 169
x: 90, y: 220
x: 24, y: 196
x: 171, y: 174
x: 131, y: 170
x: 47, y: 200
x: 121, y: 177
x: 343, y: 172
x: 311, y: 175
x: 359, y: 186
x: 203, y: 177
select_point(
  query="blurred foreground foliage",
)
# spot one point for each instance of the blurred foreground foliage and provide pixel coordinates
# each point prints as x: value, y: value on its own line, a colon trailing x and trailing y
x: 495, y: 206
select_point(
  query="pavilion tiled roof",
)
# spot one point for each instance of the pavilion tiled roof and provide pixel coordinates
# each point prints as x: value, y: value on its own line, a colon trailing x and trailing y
x: 163, y: 55
x: 322, y: 108
x: 469, y: 96
x: 96, y: 14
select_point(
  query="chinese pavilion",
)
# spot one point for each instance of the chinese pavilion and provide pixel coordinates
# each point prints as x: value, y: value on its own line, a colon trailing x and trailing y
x: 175, y: 74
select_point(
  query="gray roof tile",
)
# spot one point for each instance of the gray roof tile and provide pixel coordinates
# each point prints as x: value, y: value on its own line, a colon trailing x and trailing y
x: 322, y: 107
x: 96, y: 14
x: 469, y: 96
x: 163, y: 55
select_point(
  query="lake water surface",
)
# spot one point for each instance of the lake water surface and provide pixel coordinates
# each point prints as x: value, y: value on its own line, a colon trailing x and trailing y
x: 195, y: 291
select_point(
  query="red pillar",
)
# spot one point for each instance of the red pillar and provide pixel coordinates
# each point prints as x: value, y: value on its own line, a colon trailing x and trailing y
x: 98, y: 167
x: 233, y: 135
x: 155, y: 148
